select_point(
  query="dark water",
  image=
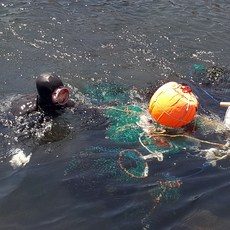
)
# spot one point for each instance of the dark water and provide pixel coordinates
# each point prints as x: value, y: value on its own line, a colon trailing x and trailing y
x: 72, y: 180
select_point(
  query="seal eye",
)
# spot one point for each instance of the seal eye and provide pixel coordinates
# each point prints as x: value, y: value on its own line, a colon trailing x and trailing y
x: 60, y: 96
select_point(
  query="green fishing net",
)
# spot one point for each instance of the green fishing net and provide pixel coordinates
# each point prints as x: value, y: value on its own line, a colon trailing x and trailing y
x: 212, y: 75
x: 199, y: 67
x: 106, y: 92
x: 132, y: 163
x: 167, y: 191
x: 123, y: 127
x: 166, y: 145
x: 105, y: 169
x: 123, y: 118
x: 100, y: 164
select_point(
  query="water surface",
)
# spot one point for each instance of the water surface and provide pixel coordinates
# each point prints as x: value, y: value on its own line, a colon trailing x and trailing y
x: 72, y: 180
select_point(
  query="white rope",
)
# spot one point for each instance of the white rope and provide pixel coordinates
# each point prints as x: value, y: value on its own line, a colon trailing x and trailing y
x: 152, y: 154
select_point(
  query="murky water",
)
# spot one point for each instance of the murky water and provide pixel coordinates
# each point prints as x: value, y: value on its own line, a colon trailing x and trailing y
x: 66, y: 174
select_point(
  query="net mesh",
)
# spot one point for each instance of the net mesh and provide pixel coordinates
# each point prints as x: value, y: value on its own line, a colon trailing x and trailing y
x: 101, y: 93
x: 102, y: 164
x: 217, y: 76
x: 123, y: 127
x: 132, y: 163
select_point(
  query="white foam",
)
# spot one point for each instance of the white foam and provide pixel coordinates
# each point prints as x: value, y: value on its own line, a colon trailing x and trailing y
x: 19, y: 158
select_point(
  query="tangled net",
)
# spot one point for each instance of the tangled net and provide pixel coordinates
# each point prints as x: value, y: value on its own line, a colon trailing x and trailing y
x: 127, y: 124
x: 123, y: 128
x: 214, y: 75
x: 131, y: 125
x: 141, y: 168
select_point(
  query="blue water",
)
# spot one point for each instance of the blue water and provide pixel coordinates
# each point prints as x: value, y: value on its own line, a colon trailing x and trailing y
x: 72, y: 180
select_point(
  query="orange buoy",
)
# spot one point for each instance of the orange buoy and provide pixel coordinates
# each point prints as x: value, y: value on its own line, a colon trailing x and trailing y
x: 173, y: 105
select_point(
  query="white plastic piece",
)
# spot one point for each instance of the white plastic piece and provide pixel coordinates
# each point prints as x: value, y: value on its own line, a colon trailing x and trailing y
x: 227, y: 118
